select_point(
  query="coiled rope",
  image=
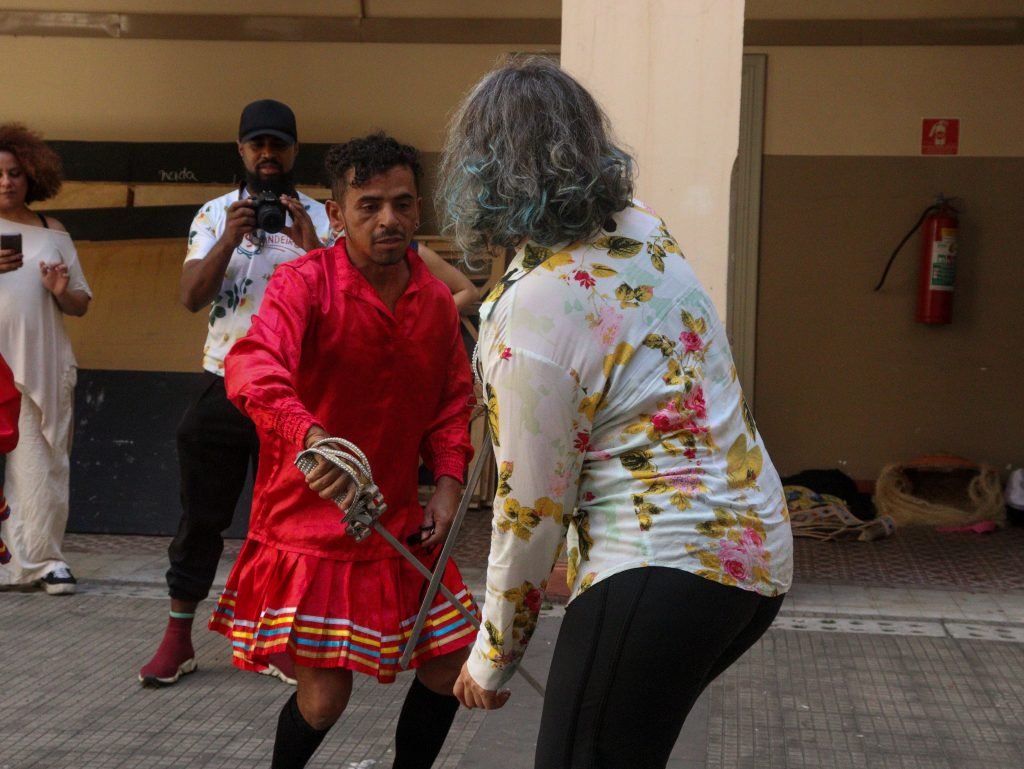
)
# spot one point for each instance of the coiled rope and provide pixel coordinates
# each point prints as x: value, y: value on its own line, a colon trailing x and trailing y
x: 368, y: 504
x: 362, y: 518
x: 896, y: 496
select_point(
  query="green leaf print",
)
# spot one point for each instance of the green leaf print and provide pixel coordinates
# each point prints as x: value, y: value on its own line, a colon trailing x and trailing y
x: 748, y: 420
x: 633, y: 297
x: 494, y: 636
x: 535, y: 255
x: 696, y: 325
x: 645, y: 512
x: 581, y: 524
x: 637, y: 461
x: 661, y: 343
x: 619, y: 247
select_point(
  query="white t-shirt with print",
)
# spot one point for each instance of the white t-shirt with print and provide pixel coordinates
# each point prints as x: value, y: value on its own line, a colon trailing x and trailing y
x: 250, y: 268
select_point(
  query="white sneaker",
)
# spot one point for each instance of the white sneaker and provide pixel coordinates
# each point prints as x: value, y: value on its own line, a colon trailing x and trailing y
x: 276, y: 672
x: 60, y: 581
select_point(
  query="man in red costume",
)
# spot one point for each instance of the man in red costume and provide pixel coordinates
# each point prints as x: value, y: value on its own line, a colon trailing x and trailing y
x: 360, y: 342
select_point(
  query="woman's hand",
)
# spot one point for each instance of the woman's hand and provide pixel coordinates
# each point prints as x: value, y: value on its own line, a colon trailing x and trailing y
x: 55, y: 278
x: 472, y: 695
x: 10, y: 260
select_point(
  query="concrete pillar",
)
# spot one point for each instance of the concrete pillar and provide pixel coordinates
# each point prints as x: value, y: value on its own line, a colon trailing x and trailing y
x: 667, y: 72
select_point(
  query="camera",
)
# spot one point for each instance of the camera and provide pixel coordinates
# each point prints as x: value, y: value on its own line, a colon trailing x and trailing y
x: 270, y: 212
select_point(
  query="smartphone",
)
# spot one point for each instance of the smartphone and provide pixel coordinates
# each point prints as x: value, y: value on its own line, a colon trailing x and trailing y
x: 11, y: 241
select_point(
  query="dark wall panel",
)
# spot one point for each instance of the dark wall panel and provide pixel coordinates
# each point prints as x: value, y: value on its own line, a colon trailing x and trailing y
x: 181, y: 163
x: 171, y: 162
x: 124, y: 467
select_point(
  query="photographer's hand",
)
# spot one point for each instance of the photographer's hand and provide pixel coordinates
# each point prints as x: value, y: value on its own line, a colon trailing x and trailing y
x: 302, y: 230
x: 201, y: 278
x: 240, y: 221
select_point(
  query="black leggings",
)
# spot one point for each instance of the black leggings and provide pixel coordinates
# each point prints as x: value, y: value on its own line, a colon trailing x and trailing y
x: 633, y: 654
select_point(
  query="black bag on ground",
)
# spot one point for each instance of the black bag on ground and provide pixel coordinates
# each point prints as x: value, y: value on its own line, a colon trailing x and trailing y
x: 838, y: 484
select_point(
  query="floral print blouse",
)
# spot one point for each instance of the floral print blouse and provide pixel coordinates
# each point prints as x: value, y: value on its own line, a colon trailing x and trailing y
x: 620, y: 432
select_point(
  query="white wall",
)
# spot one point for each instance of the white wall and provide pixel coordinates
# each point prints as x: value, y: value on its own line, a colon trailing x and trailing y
x: 668, y: 74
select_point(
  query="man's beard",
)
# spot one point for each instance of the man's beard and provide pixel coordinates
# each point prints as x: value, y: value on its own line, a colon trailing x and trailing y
x: 280, y: 184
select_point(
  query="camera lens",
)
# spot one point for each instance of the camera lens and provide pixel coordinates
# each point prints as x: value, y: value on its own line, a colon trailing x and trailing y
x: 270, y: 213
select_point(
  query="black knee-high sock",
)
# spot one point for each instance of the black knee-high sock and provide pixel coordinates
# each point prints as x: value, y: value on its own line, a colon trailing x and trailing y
x: 422, y: 727
x: 296, y: 740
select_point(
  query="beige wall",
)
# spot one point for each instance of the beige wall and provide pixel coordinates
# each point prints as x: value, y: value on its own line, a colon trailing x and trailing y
x: 174, y: 90
x: 881, y: 9
x: 668, y: 74
x: 340, y: 8
x: 845, y: 378
x: 870, y: 101
x: 135, y: 322
x: 755, y: 9
x: 163, y: 90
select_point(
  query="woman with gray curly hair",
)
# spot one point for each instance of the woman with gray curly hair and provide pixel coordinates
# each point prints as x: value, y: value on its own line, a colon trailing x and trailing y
x: 619, y: 429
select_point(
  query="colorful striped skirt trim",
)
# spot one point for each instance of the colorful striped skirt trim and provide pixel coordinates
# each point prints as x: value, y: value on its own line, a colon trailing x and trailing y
x: 5, y: 513
x: 356, y: 615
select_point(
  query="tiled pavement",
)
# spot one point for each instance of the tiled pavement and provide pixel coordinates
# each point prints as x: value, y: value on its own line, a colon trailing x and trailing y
x: 919, y: 558
x: 901, y: 654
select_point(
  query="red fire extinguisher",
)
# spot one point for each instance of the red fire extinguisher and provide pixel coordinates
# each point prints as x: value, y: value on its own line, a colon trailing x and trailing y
x: 937, y: 267
x: 937, y: 270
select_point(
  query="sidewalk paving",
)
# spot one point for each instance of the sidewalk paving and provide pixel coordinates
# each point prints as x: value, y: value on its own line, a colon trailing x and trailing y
x: 853, y: 674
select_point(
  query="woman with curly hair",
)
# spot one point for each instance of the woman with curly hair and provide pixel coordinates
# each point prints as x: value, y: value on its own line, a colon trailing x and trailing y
x: 619, y: 428
x: 40, y: 281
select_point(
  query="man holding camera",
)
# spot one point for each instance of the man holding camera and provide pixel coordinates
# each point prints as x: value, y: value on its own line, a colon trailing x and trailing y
x: 234, y: 244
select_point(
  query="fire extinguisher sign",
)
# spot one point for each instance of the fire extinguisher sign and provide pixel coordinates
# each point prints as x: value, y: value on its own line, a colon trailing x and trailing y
x: 940, y: 136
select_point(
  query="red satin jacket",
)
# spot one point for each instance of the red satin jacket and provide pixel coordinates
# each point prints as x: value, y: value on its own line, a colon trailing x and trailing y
x: 324, y: 349
x: 10, y: 407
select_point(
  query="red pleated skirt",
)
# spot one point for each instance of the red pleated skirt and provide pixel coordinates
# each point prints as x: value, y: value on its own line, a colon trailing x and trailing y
x: 326, y: 613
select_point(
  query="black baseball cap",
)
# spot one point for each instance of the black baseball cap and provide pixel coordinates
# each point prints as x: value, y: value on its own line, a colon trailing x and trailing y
x: 267, y: 117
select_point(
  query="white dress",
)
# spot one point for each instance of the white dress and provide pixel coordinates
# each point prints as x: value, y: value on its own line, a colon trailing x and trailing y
x: 36, y: 347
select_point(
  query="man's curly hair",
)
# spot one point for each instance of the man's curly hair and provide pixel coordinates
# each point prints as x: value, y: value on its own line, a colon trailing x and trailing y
x: 41, y: 164
x: 368, y: 156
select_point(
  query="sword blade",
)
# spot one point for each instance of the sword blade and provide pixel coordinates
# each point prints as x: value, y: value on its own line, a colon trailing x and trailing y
x: 486, y: 451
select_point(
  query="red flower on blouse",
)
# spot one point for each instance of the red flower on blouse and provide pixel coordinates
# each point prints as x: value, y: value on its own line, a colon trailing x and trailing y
x: 506, y: 353
x: 691, y: 341
x: 695, y: 402
x: 533, y: 600
x: 582, y: 442
x: 583, y: 278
